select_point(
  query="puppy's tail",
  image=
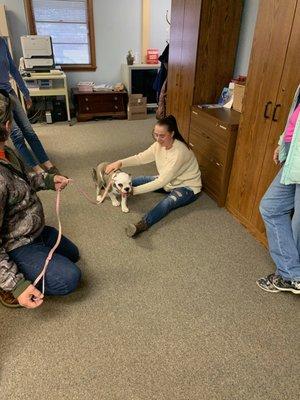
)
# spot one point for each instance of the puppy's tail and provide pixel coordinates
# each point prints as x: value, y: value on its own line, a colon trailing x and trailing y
x: 94, y: 175
x: 98, y: 177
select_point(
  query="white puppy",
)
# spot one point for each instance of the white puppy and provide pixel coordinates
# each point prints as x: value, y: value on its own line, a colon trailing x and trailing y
x: 116, y: 183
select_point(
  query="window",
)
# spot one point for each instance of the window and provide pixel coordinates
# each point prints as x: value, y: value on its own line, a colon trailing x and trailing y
x: 71, y: 27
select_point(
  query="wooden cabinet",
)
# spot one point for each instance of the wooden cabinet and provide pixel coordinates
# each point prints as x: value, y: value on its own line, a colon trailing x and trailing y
x: 212, y: 138
x: 203, y: 41
x: 100, y: 104
x: 273, y: 77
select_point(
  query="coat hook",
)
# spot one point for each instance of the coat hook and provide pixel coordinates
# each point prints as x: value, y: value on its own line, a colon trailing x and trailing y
x: 167, y: 17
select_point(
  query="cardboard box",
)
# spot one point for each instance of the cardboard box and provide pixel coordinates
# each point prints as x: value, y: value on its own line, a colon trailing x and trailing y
x: 136, y: 114
x: 137, y: 100
x: 238, y: 95
x: 137, y: 107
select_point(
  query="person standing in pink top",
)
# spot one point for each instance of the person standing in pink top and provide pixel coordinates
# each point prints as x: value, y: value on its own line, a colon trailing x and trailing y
x: 288, y: 135
x: 280, y: 210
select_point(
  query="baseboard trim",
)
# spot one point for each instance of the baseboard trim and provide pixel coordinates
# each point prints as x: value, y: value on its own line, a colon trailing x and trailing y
x: 261, y: 237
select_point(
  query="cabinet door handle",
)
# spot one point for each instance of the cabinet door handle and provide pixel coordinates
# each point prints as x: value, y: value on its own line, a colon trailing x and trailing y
x: 266, y: 115
x: 274, y: 112
x: 191, y: 144
x: 215, y: 162
x: 194, y: 112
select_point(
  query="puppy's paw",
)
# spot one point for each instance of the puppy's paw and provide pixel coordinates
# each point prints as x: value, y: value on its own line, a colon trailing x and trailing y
x: 116, y: 203
x: 125, y: 209
x: 99, y: 198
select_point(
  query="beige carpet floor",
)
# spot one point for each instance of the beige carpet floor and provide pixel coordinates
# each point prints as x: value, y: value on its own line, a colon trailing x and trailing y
x: 172, y: 315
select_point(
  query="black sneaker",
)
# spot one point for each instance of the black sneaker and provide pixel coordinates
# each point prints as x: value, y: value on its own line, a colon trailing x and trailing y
x: 286, y: 286
x: 53, y: 170
x: 267, y: 283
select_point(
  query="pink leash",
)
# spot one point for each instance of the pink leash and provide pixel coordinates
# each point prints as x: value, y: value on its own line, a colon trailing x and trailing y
x: 51, y: 252
x: 57, y: 206
x: 78, y: 188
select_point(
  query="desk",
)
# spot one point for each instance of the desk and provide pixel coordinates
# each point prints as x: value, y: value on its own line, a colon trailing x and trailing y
x: 55, y: 91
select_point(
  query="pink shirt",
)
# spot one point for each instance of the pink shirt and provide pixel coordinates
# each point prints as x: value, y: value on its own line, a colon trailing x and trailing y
x: 288, y: 136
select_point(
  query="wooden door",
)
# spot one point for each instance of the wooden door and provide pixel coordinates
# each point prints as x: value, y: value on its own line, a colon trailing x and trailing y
x: 188, y: 64
x: 174, y: 64
x: 288, y: 85
x: 265, y: 71
x: 218, y: 38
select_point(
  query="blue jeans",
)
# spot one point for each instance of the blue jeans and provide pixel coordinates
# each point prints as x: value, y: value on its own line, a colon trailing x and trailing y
x: 21, y: 131
x: 280, y: 210
x: 62, y: 275
x: 178, y: 197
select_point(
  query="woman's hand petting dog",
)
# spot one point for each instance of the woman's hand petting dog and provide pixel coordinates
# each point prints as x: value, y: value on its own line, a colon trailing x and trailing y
x: 60, y: 182
x: 113, y: 167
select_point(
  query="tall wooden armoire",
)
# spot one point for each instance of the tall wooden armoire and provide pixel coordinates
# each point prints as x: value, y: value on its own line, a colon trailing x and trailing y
x: 203, y: 42
x: 273, y: 76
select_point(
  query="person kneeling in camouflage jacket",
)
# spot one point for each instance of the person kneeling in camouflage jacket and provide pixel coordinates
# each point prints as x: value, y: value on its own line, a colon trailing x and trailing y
x: 25, y: 241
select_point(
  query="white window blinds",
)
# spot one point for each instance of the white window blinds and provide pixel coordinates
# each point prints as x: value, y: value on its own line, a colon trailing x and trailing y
x: 66, y: 21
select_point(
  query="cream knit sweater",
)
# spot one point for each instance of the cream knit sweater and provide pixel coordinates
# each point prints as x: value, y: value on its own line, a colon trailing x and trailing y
x: 177, y: 167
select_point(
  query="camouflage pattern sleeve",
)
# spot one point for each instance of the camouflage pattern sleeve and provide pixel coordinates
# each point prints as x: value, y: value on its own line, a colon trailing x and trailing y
x: 9, y: 276
x: 42, y: 181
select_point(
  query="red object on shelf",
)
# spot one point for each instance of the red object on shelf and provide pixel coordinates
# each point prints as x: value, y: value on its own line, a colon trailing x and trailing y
x: 152, y: 56
x: 241, y: 80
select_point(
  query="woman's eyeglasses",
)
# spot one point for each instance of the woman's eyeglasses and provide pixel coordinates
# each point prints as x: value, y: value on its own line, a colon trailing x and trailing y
x: 156, y: 136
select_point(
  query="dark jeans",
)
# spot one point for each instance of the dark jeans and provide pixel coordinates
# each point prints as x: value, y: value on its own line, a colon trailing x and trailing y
x: 178, y: 197
x: 23, y: 132
x: 62, y: 275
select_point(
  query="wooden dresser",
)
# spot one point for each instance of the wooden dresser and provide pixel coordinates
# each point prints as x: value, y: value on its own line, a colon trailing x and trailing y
x: 212, y: 137
x: 100, y: 104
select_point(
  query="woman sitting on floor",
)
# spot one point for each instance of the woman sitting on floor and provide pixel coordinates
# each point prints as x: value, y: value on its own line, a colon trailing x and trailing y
x: 179, y: 174
x: 25, y: 241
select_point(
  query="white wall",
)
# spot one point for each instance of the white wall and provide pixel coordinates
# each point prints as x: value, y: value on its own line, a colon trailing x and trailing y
x: 118, y: 29
x: 159, y: 28
x: 246, y: 36
x: 16, y: 20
